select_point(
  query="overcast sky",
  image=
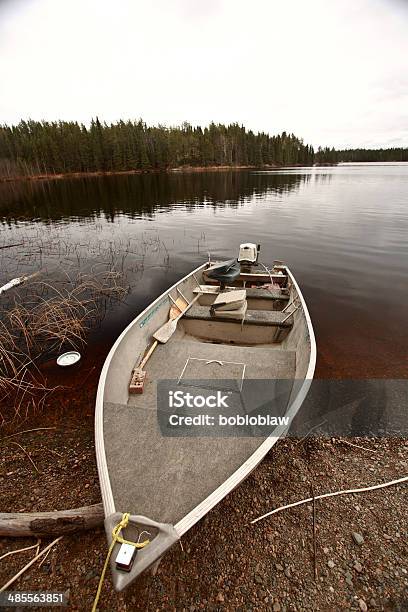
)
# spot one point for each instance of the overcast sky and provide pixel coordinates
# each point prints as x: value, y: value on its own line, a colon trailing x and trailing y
x: 334, y: 72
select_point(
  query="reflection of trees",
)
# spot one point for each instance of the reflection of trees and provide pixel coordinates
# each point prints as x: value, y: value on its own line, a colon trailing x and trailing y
x: 137, y: 195
x: 323, y: 178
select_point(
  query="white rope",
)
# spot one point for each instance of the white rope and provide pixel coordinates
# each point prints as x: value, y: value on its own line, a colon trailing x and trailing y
x: 13, y: 552
x: 310, y: 499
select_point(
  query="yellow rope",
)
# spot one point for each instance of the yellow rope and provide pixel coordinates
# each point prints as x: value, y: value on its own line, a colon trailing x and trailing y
x: 116, y: 537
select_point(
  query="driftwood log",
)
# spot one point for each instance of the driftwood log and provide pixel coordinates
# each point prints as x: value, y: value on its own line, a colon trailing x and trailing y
x: 19, y: 524
x: 17, y: 281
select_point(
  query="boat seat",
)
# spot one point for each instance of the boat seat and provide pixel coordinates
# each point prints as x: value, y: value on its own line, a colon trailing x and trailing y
x: 237, y: 314
x: 265, y: 294
x: 225, y: 272
x: 229, y: 300
x: 274, y: 318
x: 252, y: 294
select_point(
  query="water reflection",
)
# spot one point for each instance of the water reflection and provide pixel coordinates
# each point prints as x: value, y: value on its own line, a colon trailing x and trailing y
x: 138, y: 195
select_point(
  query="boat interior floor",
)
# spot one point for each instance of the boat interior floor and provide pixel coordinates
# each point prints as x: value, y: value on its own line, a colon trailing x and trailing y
x: 156, y: 477
x: 169, y: 360
x: 161, y: 477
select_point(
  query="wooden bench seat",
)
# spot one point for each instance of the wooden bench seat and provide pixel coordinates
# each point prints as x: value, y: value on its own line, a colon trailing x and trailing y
x: 273, y: 318
x: 267, y: 295
x: 258, y: 299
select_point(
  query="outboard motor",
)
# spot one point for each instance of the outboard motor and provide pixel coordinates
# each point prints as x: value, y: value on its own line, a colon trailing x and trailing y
x: 248, y: 253
x: 228, y: 271
x: 248, y: 256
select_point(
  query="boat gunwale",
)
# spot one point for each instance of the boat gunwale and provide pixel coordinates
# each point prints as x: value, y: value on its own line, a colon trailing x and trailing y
x: 103, y: 473
x: 246, y: 468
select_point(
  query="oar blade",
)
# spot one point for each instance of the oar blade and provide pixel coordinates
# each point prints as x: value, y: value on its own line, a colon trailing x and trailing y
x: 166, y: 331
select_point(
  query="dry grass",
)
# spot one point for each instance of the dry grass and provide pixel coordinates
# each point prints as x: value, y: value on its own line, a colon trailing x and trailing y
x: 38, y: 319
x: 50, y: 321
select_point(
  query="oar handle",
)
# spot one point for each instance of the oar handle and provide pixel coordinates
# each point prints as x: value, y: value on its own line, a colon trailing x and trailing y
x: 147, y: 356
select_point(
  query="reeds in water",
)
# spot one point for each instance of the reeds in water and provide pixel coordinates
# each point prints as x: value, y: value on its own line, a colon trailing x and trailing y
x: 50, y: 320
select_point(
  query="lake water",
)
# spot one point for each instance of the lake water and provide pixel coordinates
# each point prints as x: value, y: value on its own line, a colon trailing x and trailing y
x: 342, y: 230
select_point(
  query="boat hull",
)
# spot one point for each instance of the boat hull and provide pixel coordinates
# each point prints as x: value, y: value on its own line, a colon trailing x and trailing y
x: 176, y: 481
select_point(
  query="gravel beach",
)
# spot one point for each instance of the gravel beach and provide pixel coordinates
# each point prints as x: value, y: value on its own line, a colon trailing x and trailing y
x: 224, y: 562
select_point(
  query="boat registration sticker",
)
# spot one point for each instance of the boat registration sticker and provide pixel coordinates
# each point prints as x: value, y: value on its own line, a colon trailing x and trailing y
x: 151, y: 313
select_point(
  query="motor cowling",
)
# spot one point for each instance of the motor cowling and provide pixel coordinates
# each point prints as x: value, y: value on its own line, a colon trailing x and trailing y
x: 248, y: 253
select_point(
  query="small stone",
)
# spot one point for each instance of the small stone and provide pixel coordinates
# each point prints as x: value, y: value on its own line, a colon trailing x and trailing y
x: 287, y: 572
x: 258, y: 579
x: 362, y: 605
x: 279, y: 567
x: 326, y: 550
x: 358, y: 538
x: 276, y: 606
x: 358, y: 567
x: 331, y: 563
x: 220, y: 598
x: 373, y: 603
x: 331, y: 589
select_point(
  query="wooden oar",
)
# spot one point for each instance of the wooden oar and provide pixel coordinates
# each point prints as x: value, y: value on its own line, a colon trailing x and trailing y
x: 165, y: 332
x: 136, y: 384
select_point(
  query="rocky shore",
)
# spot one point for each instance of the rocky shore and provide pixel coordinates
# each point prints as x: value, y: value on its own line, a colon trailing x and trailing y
x: 353, y: 558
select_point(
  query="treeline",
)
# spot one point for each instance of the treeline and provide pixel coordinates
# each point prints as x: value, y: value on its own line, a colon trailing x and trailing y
x: 33, y: 147
x: 333, y: 156
x: 373, y: 155
x: 326, y: 156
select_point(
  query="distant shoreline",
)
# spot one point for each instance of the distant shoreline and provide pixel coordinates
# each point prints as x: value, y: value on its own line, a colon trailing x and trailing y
x: 179, y: 169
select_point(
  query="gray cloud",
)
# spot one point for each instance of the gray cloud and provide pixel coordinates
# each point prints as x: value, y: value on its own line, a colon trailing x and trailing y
x: 332, y: 72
